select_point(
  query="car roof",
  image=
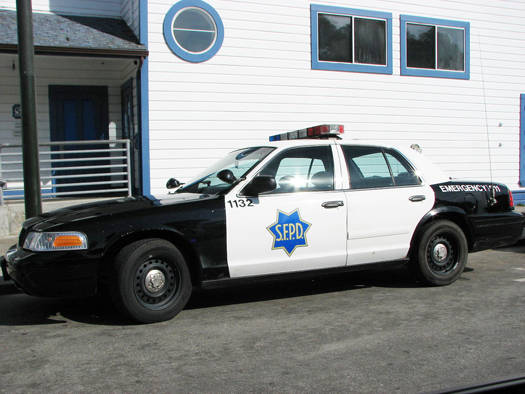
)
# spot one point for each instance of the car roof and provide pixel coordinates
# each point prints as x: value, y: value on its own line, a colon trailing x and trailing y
x: 332, y: 141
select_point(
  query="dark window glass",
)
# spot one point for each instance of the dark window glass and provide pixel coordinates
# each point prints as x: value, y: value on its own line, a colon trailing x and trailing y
x: 370, y: 41
x: 368, y: 167
x: 335, y: 38
x: 401, y: 171
x: 451, y: 48
x: 302, y: 170
x: 421, y: 46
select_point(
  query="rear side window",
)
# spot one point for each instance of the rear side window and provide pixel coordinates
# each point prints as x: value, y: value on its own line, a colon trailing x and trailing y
x: 373, y: 167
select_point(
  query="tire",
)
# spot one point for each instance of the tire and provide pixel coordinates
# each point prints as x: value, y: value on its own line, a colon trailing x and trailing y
x: 152, y: 281
x: 442, y: 253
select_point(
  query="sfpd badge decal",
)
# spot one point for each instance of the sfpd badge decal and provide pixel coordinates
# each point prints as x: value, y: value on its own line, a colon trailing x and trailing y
x: 289, y: 231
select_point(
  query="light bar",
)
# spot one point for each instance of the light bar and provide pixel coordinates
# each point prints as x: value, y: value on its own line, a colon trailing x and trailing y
x: 321, y: 131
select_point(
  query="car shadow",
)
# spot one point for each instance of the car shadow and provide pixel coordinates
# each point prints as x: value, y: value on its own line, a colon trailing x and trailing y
x: 518, y: 247
x: 21, y: 309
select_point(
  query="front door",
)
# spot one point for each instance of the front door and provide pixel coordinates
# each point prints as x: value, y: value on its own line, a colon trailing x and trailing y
x: 299, y: 226
x: 78, y: 113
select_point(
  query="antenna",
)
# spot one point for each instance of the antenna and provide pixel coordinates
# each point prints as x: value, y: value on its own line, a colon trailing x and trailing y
x: 492, y: 198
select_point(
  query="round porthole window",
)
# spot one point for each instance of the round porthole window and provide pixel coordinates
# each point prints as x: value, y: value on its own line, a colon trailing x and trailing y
x: 193, y: 30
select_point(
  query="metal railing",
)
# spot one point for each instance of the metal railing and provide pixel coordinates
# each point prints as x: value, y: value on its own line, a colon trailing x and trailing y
x: 70, y: 169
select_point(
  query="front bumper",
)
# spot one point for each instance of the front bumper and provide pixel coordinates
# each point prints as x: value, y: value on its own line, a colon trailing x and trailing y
x: 51, y: 274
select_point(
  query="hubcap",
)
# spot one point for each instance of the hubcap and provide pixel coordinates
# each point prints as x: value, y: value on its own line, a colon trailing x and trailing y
x: 155, y: 281
x: 440, y: 253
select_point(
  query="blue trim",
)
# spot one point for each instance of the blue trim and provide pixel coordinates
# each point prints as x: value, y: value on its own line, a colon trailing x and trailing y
x: 144, y: 101
x: 522, y: 139
x: 20, y: 193
x: 176, y: 48
x: 418, y: 72
x: 518, y: 196
x: 336, y: 66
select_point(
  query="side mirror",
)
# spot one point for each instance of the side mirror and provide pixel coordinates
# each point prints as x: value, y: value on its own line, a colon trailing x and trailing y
x: 260, y: 184
x: 226, y: 176
x: 172, y: 183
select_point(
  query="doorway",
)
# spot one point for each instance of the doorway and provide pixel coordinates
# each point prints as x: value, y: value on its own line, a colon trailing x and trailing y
x: 78, y: 113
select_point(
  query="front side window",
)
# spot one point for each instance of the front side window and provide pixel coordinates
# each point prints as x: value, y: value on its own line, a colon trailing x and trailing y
x: 435, y: 47
x: 346, y: 39
x: 193, y: 30
x: 373, y: 167
x: 302, y: 170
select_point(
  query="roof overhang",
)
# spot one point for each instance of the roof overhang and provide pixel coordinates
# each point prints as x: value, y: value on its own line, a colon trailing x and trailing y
x: 73, y: 35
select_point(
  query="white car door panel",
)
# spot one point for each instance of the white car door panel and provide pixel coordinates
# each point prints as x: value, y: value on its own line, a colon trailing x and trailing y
x: 386, y: 201
x: 286, y: 233
x: 381, y: 222
x: 299, y: 226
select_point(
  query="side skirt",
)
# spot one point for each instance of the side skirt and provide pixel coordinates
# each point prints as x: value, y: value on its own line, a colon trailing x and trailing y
x: 230, y: 282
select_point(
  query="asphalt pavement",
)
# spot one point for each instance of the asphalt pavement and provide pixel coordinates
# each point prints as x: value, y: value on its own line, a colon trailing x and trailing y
x: 375, y: 331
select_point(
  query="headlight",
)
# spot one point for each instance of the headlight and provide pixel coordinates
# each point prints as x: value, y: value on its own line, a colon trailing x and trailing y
x: 47, y: 242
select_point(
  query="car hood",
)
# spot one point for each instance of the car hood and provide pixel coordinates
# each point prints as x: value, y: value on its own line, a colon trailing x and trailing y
x: 97, y: 210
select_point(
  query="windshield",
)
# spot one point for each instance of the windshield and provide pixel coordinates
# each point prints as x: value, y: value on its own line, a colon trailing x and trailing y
x: 239, y: 162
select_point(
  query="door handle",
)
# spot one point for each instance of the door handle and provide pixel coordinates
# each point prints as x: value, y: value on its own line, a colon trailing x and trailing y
x: 332, y: 204
x: 418, y: 197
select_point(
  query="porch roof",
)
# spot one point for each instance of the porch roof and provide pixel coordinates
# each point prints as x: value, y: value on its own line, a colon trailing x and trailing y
x: 75, y: 35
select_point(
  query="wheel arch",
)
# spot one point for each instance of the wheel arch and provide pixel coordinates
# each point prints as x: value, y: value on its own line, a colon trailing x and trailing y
x: 178, y: 240
x: 453, y: 214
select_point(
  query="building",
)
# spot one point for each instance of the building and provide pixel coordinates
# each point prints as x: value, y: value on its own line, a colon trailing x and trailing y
x: 187, y: 81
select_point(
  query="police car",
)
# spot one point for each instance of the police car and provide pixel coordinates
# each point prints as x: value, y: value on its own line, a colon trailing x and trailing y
x: 306, y: 201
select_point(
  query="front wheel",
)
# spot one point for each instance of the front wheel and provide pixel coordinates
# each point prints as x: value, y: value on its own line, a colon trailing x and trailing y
x: 442, y: 253
x: 152, y: 281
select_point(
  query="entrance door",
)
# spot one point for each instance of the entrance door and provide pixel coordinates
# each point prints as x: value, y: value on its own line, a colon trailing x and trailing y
x: 78, y: 113
x: 299, y: 226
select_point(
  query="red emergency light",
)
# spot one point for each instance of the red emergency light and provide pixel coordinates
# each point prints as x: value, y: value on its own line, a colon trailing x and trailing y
x: 321, y: 131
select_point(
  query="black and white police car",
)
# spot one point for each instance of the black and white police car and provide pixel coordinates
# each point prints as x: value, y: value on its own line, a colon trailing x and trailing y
x: 305, y: 201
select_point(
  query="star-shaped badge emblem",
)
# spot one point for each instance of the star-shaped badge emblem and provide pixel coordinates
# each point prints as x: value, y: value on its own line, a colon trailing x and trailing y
x: 289, y: 231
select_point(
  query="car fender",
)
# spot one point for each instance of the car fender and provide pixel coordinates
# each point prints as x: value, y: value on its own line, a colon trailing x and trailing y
x: 452, y: 213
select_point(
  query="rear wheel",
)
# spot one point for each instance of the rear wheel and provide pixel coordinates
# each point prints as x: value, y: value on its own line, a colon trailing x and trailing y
x: 442, y: 253
x: 153, y: 281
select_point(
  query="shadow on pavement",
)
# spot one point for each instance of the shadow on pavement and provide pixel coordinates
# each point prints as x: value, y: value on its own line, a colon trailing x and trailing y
x: 21, y: 309
x: 517, y: 248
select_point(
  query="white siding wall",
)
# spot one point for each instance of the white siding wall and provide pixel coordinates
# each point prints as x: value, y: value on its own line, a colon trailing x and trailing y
x: 107, y: 8
x: 129, y: 11
x: 261, y: 82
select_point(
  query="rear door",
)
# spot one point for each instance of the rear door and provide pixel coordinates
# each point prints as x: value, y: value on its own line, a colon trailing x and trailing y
x: 386, y: 201
x: 299, y: 226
